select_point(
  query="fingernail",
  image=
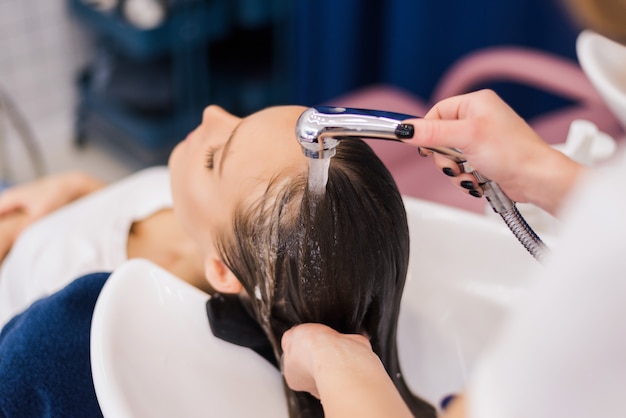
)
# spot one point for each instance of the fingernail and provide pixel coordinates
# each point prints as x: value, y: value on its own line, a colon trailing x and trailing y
x: 448, y: 172
x: 475, y: 193
x: 405, y: 131
x: 421, y: 152
x: 467, y: 184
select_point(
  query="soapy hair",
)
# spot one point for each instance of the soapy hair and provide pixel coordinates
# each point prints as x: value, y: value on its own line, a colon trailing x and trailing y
x: 339, y: 259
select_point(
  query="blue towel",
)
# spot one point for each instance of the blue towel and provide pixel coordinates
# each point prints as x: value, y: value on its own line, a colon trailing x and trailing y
x: 45, y: 368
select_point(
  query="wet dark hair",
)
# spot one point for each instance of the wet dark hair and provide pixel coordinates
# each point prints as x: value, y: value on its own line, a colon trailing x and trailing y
x: 339, y: 258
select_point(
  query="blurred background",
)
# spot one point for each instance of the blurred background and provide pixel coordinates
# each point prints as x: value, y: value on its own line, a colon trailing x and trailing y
x: 109, y: 86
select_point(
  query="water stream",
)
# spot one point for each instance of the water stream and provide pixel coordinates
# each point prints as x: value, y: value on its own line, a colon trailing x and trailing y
x: 318, y: 174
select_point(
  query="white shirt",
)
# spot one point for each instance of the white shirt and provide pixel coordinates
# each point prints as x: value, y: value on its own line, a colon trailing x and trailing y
x: 86, y: 236
x: 563, y: 351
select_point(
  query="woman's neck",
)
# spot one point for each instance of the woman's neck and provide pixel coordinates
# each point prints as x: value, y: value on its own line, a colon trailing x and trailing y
x: 160, y: 239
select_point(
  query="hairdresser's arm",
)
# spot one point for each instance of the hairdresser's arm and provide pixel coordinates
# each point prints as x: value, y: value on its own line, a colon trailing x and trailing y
x: 342, y: 371
x: 500, y: 145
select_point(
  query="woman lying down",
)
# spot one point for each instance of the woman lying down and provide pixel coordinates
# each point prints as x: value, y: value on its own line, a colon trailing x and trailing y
x: 239, y: 220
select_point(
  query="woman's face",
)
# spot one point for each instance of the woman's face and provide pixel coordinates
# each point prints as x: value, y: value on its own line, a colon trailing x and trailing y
x: 228, y: 161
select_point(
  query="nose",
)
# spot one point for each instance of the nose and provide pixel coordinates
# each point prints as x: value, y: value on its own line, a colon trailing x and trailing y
x: 217, y: 113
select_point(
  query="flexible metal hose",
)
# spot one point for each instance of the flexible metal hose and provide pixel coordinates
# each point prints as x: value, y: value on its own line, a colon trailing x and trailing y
x: 506, y: 208
x: 524, y: 233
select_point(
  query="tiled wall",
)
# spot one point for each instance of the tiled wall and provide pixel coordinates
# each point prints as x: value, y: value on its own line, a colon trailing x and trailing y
x: 41, y: 50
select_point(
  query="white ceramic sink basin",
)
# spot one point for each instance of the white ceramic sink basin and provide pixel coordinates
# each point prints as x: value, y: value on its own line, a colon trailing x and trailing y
x: 153, y: 353
x: 603, y: 61
x: 465, y: 272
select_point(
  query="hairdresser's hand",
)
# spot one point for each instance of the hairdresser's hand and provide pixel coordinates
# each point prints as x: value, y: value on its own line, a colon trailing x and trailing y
x: 500, y: 145
x: 306, y: 351
x: 43, y: 196
x: 342, y: 371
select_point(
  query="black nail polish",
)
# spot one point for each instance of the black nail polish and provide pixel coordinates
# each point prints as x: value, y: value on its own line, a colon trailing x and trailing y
x: 475, y: 193
x: 448, y: 172
x: 467, y: 184
x: 405, y: 131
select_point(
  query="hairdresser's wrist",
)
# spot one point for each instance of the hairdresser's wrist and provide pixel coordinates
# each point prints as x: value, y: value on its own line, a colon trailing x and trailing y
x: 551, y: 182
x: 354, y: 382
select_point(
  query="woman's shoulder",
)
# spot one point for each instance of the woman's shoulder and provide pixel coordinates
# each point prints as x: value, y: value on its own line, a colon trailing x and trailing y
x: 142, y: 192
x: 148, y: 181
x: 147, y: 176
x: 87, y: 235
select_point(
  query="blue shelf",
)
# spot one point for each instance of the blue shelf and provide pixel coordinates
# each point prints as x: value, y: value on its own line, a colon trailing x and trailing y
x: 251, y: 14
x: 219, y: 51
x: 193, y: 23
x: 151, y: 132
x: 145, y: 139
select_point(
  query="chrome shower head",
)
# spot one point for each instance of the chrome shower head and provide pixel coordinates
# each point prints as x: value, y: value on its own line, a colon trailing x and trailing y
x: 319, y: 129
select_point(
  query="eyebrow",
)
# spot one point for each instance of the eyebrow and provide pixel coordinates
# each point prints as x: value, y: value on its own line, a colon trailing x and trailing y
x: 229, y: 141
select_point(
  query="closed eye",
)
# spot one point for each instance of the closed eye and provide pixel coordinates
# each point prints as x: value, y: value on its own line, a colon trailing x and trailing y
x: 210, y: 154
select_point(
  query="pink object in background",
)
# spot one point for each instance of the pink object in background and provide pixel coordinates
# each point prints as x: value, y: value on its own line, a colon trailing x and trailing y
x: 418, y: 177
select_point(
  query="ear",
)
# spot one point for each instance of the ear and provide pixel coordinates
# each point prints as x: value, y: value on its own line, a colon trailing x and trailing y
x: 220, y: 277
